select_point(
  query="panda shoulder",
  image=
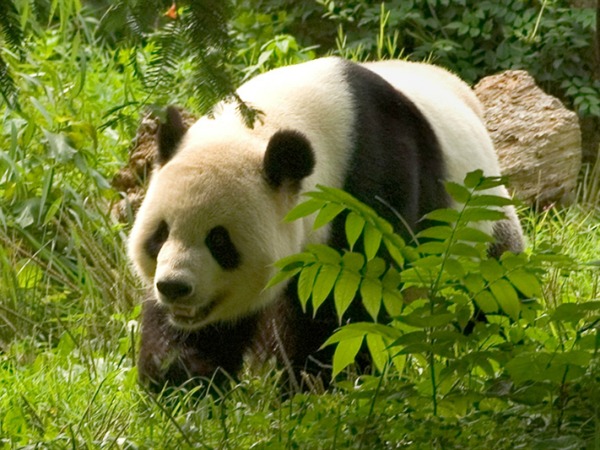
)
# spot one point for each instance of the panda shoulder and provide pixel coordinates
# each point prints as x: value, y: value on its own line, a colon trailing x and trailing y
x: 405, y: 74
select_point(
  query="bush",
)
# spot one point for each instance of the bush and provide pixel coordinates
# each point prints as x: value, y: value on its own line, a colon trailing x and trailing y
x: 422, y: 298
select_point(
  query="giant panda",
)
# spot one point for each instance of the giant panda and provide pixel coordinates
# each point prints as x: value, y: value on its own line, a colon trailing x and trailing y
x: 211, y: 225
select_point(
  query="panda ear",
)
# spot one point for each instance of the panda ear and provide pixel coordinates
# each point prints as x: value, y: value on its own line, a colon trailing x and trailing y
x: 288, y: 160
x: 169, y: 135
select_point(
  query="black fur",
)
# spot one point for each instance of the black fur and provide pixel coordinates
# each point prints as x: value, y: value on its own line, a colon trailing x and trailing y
x: 222, y: 249
x: 289, y: 158
x: 156, y: 241
x: 397, y: 159
x: 178, y: 357
x: 169, y: 135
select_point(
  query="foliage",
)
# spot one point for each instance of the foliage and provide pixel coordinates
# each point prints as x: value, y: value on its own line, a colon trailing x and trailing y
x: 550, y: 39
x: 422, y: 300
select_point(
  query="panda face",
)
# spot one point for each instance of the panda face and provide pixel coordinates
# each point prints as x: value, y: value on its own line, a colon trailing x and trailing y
x: 211, y: 227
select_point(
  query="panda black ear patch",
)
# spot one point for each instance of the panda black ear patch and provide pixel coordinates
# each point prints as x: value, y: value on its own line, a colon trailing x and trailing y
x: 288, y: 160
x: 169, y: 135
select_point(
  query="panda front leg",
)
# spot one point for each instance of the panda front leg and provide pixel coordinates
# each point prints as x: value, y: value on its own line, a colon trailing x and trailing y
x: 171, y: 357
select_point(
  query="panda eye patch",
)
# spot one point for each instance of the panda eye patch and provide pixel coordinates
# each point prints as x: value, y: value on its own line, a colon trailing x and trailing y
x: 222, y: 249
x: 157, y: 240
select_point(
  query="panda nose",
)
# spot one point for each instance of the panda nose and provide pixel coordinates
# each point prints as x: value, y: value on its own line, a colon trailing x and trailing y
x: 174, y: 289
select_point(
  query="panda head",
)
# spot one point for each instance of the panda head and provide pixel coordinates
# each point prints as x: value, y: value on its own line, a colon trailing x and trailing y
x: 211, y: 225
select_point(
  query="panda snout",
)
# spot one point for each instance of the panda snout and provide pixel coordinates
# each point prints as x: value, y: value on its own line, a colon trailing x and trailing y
x: 174, y: 290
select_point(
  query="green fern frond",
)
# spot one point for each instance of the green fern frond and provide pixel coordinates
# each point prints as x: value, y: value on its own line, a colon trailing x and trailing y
x: 10, y: 27
x: 8, y: 90
x: 169, y: 46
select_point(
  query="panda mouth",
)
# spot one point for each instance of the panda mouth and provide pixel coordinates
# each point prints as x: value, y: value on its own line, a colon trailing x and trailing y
x: 190, y: 315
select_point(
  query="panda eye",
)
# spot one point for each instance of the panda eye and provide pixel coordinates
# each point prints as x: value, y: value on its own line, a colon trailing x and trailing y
x: 157, y: 240
x: 222, y: 249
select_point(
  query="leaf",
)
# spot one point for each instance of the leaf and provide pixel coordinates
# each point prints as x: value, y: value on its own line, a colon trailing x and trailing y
x: 474, y: 282
x: 574, y: 357
x: 353, y: 261
x: 375, y: 268
x: 306, y: 281
x: 345, y: 354
x: 299, y: 259
x: 372, y: 240
x: 491, y: 269
x: 393, y: 302
x: 486, y: 302
x: 282, y: 276
x: 354, y: 227
x: 327, y: 214
x: 458, y: 192
x: 345, y: 290
x: 378, y: 350
x: 467, y: 250
x: 473, y: 235
x: 436, y: 232
x: 353, y: 330
x: 454, y: 268
x: 507, y: 298
x: 525, y: 282
x: 447, y: 215
x: 478, y: 214
x: 432, y: 248
x: 394, y: 248
x: 473, y: 179
x: 490, y: 200
x: 323, y: 285
x: 325, y: 254
x: 304, y: 209
x: 371, y: 293
x: 392, y: 279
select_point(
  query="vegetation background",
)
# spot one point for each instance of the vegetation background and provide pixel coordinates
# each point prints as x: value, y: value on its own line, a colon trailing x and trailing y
x: 75, y: 79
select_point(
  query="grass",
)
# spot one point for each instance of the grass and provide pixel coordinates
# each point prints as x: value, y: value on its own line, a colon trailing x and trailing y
x: 68, y: 314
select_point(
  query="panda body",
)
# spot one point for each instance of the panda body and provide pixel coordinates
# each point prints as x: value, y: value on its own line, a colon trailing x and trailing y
x: 211, y: 225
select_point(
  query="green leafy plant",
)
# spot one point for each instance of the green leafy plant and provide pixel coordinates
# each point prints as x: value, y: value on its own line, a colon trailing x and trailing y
x: 551, y: 39
x: 423, y: 299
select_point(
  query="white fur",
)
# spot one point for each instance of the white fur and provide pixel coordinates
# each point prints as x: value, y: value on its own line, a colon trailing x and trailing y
x: 215, y: 178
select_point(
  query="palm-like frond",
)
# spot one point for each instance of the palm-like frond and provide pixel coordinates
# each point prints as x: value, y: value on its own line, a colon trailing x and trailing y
x: 12, y: 34
x: 10, y: 27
